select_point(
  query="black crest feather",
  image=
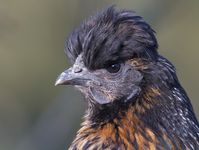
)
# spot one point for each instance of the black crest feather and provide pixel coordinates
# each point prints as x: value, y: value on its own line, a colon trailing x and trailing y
x: 114, y: 34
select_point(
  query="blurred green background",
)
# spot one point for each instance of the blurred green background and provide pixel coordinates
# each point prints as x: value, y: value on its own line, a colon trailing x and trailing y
x: 35, y: 115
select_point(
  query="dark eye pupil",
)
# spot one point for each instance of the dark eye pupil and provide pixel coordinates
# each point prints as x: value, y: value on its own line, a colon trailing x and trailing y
x: 113, y: 68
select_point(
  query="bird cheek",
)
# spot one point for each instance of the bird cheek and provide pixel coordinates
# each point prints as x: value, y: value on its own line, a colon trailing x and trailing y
x: 99, y: 96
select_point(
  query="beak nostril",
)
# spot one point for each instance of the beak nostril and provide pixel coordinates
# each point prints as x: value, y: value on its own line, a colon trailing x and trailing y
x: 77, y: 70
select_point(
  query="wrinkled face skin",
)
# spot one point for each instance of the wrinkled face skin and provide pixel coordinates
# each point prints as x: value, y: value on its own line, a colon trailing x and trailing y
x: 117, y: 81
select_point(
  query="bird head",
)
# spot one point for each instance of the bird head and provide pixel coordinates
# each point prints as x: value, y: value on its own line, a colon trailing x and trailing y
x: 105, y: 51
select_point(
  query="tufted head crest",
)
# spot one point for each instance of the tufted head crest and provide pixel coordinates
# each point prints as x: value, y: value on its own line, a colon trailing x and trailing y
x: 110, y: 36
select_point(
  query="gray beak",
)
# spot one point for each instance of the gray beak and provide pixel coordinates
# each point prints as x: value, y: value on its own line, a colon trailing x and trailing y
x: 65, y: 78
x: 76, y: 75
x: 72, y: 77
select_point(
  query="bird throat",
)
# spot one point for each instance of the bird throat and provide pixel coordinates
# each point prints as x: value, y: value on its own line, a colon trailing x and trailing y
x: 127, y: 132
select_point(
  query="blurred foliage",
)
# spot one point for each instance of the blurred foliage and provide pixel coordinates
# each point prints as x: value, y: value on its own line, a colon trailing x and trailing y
x: 34, y: 114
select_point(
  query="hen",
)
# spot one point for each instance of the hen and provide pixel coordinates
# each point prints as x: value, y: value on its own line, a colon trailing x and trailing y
x: 135, y: 100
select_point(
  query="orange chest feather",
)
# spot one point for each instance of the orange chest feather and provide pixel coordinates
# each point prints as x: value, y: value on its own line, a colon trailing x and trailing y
x: 127, y: 134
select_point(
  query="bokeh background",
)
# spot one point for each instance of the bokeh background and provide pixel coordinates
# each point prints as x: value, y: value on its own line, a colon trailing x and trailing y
x: 36, y: 115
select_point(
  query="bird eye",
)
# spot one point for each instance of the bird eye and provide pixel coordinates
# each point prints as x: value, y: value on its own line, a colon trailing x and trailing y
x: 113, y: 68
